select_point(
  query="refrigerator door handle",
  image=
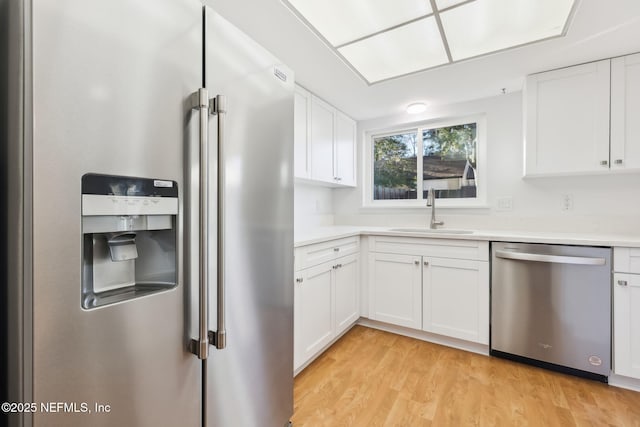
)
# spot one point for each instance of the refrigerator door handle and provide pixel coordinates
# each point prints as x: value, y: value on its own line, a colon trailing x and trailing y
x: 218, y: 338
x: 200, y: 347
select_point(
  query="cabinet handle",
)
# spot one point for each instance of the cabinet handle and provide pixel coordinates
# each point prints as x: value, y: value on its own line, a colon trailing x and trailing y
x: 618, y: 161
x: 336, y: 249
x: 299, y: 280
x: 416, y: 262
x: 339, y: 266
x: 604, y: 163
x: 622, y: 282
x: 339, y: 179
x: 426, y: 263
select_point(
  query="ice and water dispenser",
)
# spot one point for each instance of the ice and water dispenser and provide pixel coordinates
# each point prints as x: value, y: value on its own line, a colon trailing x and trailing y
x: 129, y: 238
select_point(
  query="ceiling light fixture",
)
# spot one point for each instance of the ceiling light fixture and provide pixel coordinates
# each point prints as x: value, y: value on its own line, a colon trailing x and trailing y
x: 416, y: 108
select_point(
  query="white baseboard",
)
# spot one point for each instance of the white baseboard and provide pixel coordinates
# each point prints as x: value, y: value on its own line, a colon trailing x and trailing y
x: 426, y: 336
x: 624, y: 382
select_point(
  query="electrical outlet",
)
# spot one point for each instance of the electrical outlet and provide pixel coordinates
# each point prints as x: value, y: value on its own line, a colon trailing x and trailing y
x: 505, y: 204
x: 567, y: 202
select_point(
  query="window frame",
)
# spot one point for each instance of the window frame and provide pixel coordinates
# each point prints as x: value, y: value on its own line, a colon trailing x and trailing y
x: 481, y: 171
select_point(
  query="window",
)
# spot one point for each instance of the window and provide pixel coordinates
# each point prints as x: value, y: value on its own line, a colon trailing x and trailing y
x: 443, y: 157
x: 395, y: 166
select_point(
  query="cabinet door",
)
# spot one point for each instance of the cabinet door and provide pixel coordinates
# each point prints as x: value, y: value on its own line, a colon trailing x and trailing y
x: 313, y: 316
x: 567, y: 120
x: 347, y: 292
x: 396, y: 289
x: 345, y: 150
x: 626, y: 324
x: 301, y: 133
x: 625, y: 109
x: 322, y: 134
x: 456, y: 298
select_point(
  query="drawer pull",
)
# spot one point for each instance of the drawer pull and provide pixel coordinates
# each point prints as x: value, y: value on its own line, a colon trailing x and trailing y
x: 622, y: 283
x: 299, y: 280
x: 426, y: 263
x: 416, y: 262
x: 336, y: 249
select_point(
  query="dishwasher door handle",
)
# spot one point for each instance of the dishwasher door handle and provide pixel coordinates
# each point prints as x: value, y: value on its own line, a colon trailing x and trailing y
x: 560, y: 259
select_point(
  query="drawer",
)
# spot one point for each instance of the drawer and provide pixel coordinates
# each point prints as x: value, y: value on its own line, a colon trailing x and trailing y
x: 441, y: 248
x: 626, y: 260
x: 310, y: 255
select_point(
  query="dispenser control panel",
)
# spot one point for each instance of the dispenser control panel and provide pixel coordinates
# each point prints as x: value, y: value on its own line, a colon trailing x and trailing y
x: 119, y: 195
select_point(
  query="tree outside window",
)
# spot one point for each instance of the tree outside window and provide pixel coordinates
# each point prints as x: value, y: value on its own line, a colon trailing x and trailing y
x: 395, y: 166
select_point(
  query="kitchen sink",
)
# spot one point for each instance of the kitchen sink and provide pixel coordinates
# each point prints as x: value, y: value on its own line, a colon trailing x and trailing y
x: 432, y: 230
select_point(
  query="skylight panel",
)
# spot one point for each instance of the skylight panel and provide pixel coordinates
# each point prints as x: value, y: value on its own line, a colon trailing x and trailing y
x: 383, y: 39
x: 485, y: 26
x: 343, y: 21
x: 403, y: 50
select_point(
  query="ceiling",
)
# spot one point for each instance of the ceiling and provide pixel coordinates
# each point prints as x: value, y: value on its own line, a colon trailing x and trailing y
x: 598, y: 30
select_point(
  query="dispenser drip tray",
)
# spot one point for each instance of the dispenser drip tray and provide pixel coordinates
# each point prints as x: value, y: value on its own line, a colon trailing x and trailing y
x: 93, y: 300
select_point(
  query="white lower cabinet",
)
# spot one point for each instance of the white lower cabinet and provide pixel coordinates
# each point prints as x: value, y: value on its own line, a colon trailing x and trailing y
x: 346, y: 292
x: 626, y: 324
x: 395, y: 288
x: 446, y: 295
x: 455, y: 298
x: 326, y: 296
x: 313, y: 313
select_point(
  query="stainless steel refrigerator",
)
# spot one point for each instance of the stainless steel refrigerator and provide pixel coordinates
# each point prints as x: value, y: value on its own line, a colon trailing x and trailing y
x: 147, y: 217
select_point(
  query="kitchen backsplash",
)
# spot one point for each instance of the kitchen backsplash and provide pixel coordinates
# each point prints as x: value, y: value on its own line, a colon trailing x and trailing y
x: 313, y: 206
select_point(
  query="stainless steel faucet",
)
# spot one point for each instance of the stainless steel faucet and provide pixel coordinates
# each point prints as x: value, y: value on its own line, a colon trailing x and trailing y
x: 431, y: 202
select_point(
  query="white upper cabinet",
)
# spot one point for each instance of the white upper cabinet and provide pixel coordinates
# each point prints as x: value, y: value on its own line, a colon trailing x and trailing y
x: 567, y: 120
x: 302, y: 133
x: 625, y: 110
x: 580, y: 120
x: 345, y: 150
x: 322, y: 134
x: 324, y: 142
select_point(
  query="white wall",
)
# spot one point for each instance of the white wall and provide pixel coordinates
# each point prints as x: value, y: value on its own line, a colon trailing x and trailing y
x: 608, y: 203
x: 313, y: 206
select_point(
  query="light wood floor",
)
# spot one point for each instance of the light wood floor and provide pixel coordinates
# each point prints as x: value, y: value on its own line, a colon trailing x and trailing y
x: 374, y: 378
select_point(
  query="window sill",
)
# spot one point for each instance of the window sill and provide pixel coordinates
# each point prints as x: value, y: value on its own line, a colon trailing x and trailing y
x: 441, y: 204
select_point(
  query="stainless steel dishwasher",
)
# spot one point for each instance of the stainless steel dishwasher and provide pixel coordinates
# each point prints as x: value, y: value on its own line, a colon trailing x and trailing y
x: 551, y: 306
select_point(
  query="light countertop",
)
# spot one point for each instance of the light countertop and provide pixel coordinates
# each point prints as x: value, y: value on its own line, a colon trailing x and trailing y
x: 321, y: 234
